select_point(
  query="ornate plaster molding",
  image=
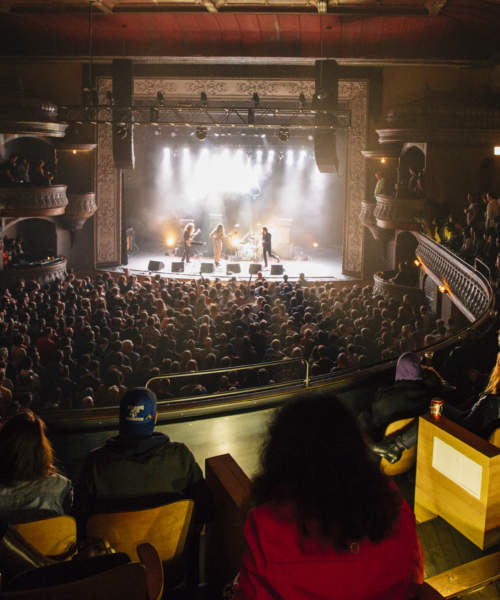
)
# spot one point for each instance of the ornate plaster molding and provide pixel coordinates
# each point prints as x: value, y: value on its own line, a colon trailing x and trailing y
x: 33, y: 201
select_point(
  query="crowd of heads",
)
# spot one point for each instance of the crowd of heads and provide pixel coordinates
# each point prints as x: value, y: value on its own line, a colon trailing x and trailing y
x: 82, y: 343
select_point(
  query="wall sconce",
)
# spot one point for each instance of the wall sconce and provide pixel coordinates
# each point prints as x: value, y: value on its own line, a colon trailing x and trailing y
x: 382, y: 160
x: 416, y: 262
x: 442, y: 289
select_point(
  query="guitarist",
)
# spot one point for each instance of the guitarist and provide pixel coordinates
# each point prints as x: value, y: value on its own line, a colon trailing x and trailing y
x: 188, y: 238
x: 217, y: 235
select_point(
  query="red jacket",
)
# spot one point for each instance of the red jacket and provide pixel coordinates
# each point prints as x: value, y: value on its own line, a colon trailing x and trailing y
x: 275, y: 566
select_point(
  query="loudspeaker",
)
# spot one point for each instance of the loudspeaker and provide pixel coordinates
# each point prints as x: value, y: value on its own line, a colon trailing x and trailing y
x: 155, y: 265
x: 177, y: 267
x: 123, y: 93
x: 276, y: 269
x: 233, y: 268
x: 207, y: 267
x: 325, y: 150
x: 325, y: 141
x: 254, y: 268
x: 326, y: 82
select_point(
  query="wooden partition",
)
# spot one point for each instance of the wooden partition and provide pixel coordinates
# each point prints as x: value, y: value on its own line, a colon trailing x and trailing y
x: 225, y: 543
x: 458, y: 479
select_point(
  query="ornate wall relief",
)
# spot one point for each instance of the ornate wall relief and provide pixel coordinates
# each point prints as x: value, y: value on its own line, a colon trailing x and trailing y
x: 108, y: 216
x: 353, y: 94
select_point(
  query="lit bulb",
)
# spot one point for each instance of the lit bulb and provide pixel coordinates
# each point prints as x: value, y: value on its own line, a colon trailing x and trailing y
x: 383, y: 160
x: 417, y: 262
x: 315, y: 244
x: 74, y: 151
x: 170, y: 241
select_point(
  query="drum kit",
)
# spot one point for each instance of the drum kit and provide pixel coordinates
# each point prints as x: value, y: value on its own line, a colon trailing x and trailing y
x: 249, y: 248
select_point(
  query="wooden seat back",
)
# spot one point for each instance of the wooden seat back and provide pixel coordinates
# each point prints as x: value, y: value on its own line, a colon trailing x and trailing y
x: 495, y: 438
x: 127, y: 581
x: 165, y: 527
x: 55, y: 536
x: 409, y: 457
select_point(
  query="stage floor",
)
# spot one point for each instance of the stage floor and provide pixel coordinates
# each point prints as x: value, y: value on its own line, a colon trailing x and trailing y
x: 325, y: 264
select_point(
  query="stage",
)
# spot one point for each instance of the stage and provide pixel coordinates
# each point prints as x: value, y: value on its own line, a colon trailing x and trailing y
x: 323, y: 264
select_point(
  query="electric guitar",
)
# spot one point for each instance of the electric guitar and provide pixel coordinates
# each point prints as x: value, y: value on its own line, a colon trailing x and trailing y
x: 190, y: 238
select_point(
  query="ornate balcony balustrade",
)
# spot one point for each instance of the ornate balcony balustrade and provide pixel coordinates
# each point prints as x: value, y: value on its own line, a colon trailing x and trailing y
x: 41, y: 273
x: 469, y: 290
x: 33, y: 201
x: 80, y: 208
x: 395, y: 213
x: 382, y: 286
x: 368, y: 219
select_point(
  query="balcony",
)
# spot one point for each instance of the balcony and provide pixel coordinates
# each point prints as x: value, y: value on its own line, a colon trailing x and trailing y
x: 33, y: 201
x: 368, y: 219
x: 44, y: 271
x: 396, y: 213
x: 387, y: 289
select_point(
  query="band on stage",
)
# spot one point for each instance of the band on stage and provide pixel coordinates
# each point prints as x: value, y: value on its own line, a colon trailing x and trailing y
x: 250, y: 247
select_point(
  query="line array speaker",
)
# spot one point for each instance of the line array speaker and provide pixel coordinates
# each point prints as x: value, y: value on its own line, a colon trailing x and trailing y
x: 327, y: 101
x: 123, y: 93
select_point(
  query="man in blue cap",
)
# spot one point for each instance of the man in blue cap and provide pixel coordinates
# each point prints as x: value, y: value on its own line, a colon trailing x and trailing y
x: 139, y: 469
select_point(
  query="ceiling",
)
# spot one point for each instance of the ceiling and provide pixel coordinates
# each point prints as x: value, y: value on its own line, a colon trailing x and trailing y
x: 363, y: 30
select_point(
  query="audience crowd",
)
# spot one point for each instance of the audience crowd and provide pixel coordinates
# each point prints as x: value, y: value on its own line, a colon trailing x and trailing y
x: 82, y: 343
x: 16, y: 171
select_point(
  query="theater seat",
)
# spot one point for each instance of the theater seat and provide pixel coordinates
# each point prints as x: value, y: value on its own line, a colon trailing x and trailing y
x: 409, y: 457
x: 127, y: 581
x: 166, y: 528
x: 54, y: 537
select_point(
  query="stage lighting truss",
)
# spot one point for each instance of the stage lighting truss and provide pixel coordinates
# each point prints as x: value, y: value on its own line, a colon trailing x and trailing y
x: 200, y: 116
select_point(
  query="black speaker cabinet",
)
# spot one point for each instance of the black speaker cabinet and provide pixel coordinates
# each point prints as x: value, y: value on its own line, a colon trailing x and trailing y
x: 123, y: 133
x: 155, y: 265
x: 177, y: 267
x: 233, y: 268
x: 325, y: 150
x: 207, y: 267
x: 254, y: 268
x: 327, y: 84
x: 276, y: 269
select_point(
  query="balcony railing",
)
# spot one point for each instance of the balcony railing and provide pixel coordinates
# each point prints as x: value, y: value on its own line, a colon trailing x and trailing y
x: 395, y: 213
x: 24, y: 201
x: 382, y: 286
x: 368, y: 219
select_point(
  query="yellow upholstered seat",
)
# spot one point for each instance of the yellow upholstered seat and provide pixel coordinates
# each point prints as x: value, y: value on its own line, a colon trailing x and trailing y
x: 55, y: 536
x: 409, y: 457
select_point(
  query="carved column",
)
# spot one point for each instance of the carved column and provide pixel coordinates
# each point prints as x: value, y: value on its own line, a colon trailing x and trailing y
x: 356, y: 93
x: 108, y: 216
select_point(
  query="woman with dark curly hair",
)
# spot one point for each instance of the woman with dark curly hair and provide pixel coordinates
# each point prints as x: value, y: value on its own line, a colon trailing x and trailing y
x: 326, y: 522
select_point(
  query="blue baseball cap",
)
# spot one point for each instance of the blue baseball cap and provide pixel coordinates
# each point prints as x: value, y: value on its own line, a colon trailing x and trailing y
x: 138, y: 412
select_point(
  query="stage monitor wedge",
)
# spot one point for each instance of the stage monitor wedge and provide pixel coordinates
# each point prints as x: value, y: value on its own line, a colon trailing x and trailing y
x: 155, y: 265
x: 177, y: 267
x: 207, y: 267
x: 254, y: 268
x: 233, y: 268
x: 123, y: 132
x: 276, y: 269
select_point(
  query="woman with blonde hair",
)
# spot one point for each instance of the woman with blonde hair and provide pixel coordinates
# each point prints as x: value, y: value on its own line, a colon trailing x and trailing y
x: 31, y: 487
x: 217, y: 235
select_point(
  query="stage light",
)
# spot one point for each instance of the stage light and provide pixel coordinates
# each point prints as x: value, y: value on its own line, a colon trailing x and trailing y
x: 159, y: 98
x: 201, y: 133
x: 315, y: 244
x: 284, y: 134
x: 170, y: 241
x: 310, y: 138
x: 302, y: 100
x: 235, y: 240
x: 263, y: 135
x: 497, y: 150
x: 203, y: 99
x: 175, y: 153
x: 281, y: 155
x: 256, y: 100
x: 249, y: 153
x: 173, y: 134
x: 121, y: 132
x: 382, y: 160
x: 157, y: 131
x: 74, y: 151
